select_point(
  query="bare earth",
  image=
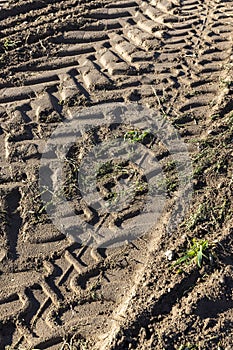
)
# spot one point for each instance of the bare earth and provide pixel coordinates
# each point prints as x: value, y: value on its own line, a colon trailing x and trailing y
x: 57, y: 57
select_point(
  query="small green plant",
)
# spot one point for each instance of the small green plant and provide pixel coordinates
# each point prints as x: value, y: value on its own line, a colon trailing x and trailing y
x: 136, y: 136
x: 215, y: 214
x: 171, y: 165
x: 188, y: 347
x: 105, y: 168
x: 195, y: 253
x: 227, y: 82
x: 169, y: 183
x: 10, y: 44
x: 141, y: 186
x: 199, y: 216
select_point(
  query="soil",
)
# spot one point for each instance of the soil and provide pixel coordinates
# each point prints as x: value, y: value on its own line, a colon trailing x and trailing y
x: 58, y: 57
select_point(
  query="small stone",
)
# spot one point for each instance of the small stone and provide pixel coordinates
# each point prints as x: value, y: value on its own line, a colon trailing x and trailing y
x: 169, y: 255
x: 220, y: 185
x: 3, y: 254
x: 222, y: 279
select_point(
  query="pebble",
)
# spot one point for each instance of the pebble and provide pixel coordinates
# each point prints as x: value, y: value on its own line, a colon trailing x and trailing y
x: 3, y: 254
x: 222, y: 279
x: 169, y: 255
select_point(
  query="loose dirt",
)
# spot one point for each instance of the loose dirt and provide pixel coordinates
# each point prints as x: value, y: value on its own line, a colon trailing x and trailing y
x: 57, y: 57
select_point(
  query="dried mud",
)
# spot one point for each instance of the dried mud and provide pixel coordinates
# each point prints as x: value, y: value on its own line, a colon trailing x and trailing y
x: 57, y: 57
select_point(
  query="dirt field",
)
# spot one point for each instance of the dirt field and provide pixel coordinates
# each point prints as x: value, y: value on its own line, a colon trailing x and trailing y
x: 175, y: 57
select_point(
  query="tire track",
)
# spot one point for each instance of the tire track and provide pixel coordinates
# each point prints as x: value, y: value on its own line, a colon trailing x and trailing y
x: 125, y: 45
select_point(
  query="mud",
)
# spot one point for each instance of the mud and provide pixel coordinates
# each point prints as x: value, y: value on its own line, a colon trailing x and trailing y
x: 174, y: 57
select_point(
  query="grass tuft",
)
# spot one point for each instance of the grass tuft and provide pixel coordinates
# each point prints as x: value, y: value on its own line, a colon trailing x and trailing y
x: 195, y: 253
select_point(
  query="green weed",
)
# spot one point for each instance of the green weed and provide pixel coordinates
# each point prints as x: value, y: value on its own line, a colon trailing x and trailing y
x: 136, y: 136
x: 10, y: 44
x: 171, y: 165
x: 188, y: 347
x: 169, y: 183
x: 195, y: 253
x: 209, y: 213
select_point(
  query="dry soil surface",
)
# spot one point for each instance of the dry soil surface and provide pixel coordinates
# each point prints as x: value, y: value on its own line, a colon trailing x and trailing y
x: 57, y: 57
